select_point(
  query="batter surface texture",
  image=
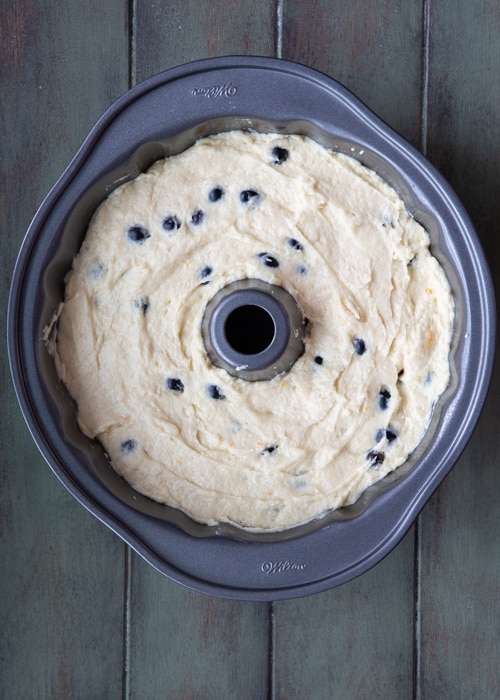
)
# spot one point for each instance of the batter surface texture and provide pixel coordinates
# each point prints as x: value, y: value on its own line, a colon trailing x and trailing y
x: 264, y: 455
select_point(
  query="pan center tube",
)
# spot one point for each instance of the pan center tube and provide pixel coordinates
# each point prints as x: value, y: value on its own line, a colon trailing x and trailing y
x: 254, y: 330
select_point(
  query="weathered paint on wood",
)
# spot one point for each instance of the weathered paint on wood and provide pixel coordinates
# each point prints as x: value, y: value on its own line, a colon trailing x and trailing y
x: 355, y: 641
x: 171, y: 33
x: 61, y: 580
x: 459, y: 553
x: 185, y: 644
x: 80, y: 614
x: 373, y: 48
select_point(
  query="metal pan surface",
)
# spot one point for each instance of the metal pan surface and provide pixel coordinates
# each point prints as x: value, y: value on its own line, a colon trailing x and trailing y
x: 163, y: 116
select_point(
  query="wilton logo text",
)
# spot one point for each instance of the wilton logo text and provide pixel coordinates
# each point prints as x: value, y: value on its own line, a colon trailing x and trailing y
x: 229, y: 90
x: 278, y: 567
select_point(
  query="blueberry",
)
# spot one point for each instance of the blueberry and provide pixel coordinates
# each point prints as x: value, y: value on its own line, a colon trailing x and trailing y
x: 269, y: 450
x: 215, y: 392
x: 206, y: 272
x: 215, y: 194
x: 359, y: 346
x: 279, y: 154
x: 197, y: 217
x: 390, y: 435
x: 301, y: 269
x: 97, y: 270
x: 295, y: 244
x: 171, y: 223
x: 383, y: 398
x: 247, y: 196
x: 375, y: 458
x: 142, y: 303
x: 318, y: 360
x: 387, y: 433
x: 128, y: 446
x: 268, y: 260
x: 138, y: 234
x: 175, y: 384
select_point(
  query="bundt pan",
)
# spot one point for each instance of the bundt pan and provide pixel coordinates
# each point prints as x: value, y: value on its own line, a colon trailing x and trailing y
x: 163, y: 116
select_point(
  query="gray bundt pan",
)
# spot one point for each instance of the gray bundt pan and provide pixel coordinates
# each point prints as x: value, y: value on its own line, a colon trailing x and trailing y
x: 163, y: 116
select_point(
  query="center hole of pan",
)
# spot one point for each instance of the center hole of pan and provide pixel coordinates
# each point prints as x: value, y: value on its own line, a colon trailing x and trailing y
x: 249, y: 329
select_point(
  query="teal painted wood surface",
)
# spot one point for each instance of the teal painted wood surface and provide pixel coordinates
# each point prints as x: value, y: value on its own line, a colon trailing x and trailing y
x: 171, y: 33
x: 374, y: 49
x: 459, y: 542
x: 81, y: 616
x: 356, y: 641
x: 62, y: 583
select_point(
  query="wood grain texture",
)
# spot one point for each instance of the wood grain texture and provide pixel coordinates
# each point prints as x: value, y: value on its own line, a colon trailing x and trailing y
x: 460, y: 529
x: 171, y: 33
x: 61, y: 581
x: 187, y: 645
x: 355, y: 641
x: 374, y: 49
x: 81, y: 616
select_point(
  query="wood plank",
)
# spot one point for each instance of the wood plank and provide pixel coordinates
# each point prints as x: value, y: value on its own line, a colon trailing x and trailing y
x: 459, y: 531
x: 356, y: 641
x: 172, y: 33
x: 182, y: 643
x: 374, y: 49
x: 61, y: 585
x: 187, y: 645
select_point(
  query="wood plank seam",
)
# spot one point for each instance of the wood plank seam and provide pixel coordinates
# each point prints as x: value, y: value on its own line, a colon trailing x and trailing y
x: 271, y: 679
x: 127, y: 571
x: 127, y: 624
x: 417, y: 572
x: 426, y: 25
x: 271, y: 670
x: 279, y: 28
x: 132, y: 53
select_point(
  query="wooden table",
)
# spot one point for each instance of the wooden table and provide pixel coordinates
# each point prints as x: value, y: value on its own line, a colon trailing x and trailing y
x: 81, y: 616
